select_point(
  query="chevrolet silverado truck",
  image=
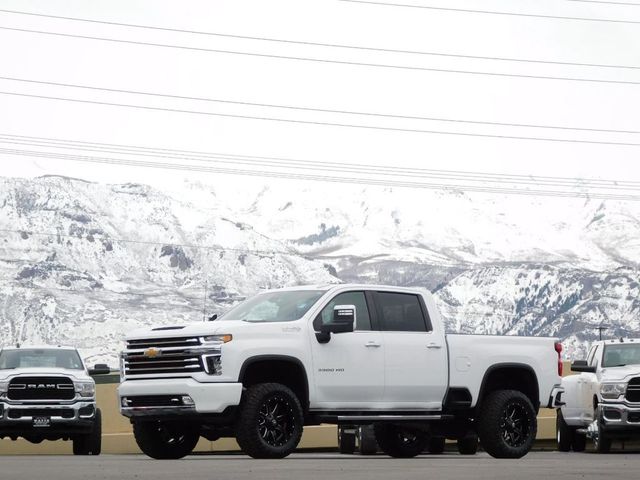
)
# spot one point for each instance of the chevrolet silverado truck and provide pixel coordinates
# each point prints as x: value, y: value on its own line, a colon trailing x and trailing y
x: 602, y: 402
x: 46, y: 393
x: 337, y: 354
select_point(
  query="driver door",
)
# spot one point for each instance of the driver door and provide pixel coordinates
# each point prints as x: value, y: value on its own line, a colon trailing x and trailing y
x: 349, y: 369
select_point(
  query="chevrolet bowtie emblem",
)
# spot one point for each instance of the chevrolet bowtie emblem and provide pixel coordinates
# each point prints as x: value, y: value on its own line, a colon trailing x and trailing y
x: 152, y: 353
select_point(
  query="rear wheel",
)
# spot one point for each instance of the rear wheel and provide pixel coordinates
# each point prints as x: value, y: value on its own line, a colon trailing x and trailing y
x: 165, y: 440
x: 564, y: 433
x: 90, y: 443
x: 507, y: 424
x: 436, y: 445
x: 346, y: 439
x: 400, y: 442
x: 367, y: 444
x: 468, y: 445
x: 270, y: 421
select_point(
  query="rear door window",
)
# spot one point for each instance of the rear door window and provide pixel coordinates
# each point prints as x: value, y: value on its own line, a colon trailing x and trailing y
x: 400, y: 312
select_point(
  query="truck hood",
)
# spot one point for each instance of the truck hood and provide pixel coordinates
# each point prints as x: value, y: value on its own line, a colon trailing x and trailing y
x: 36, y: 372
x: 202, y: 329
x: 619, y: 373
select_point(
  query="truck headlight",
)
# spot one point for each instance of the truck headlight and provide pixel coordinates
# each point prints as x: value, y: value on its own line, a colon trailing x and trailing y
x: 612, y: 390
x: 85, y: 389
x: 217, y: 339
x: 4, y: 387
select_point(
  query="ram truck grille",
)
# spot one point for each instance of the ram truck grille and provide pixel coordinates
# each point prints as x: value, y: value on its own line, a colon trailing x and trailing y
x: 633, y: 390
x: 162, y: 356
x: 41, y: 388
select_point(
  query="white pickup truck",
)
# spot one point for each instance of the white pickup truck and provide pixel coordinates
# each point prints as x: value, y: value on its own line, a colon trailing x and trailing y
x: 603, y: 401
x: 341, y: 354
x: 46, y: 393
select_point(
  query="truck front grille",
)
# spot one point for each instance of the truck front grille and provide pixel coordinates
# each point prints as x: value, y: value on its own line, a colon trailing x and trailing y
x: 633, y: 390
x: 162, y: 356
x: 41, y: 388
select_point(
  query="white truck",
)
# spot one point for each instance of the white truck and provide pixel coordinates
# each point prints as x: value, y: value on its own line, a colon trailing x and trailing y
x: 341, y: 354
x: 46, y: 393
x: 603, y: 400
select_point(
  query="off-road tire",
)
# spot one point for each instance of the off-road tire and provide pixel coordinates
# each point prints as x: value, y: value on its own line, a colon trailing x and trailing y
x: 367, y: 444
x: 468, y: 445
x: 165, y: 440
x: 346, y: 441
x: 90, y: 443
x: 255, y: 425
x: 398, y: 442
x: 565, y: 435
x: 499, y: 435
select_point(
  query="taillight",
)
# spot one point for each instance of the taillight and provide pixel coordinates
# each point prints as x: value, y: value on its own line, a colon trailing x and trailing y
x: 558, y: 348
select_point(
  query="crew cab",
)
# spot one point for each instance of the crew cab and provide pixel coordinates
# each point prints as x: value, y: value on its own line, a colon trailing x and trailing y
x: 603, y: 401
x: 46, y: 393
x: 341, y: 354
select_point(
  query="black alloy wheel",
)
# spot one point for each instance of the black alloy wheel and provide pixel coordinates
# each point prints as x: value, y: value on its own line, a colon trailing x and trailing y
x: 276, y: 421
x: 515, y: 424
x: 165, y: 440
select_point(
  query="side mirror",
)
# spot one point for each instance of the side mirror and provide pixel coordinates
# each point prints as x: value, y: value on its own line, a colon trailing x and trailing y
x: 344, y: 319
x: 100, y: 369
x: 582, y: 366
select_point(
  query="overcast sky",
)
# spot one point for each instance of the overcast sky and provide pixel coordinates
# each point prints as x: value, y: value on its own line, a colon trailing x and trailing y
x: 323, y: 85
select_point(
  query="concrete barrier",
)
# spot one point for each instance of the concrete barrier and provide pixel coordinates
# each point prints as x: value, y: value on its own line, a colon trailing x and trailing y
x: 117, y: 435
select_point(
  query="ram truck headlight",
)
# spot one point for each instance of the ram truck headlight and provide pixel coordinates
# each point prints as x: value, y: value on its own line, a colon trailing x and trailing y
x: 85, y: 389
x: 612, y: 390
x: 4, y: 387
x: 216, y: 339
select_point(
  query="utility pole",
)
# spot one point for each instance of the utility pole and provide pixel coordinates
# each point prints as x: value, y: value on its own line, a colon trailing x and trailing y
x: 601, y: 328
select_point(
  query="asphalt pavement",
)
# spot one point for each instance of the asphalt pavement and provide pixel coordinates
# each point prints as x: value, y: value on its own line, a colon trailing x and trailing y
x: 324, y: 466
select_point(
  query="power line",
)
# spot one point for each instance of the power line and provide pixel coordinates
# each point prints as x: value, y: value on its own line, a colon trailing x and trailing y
x: 326, y: 124
x: 317, y: 44
x: 606, y: 2
x: 312, y: 109
x: 493, y: 12
x: 323, y: 60
x: 323, y: 178
x: 297, y: 164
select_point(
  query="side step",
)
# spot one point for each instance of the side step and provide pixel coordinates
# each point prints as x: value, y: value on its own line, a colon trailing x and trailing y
x: 392, y: 418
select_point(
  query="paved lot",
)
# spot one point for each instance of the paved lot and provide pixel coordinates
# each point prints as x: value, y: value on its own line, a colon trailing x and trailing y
x: 324, y: 466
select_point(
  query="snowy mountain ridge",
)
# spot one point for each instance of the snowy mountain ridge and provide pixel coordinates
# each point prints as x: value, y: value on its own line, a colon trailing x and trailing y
x: 82, y: 263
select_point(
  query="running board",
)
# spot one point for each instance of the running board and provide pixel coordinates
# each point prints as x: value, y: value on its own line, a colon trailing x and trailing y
x: 392, y: 418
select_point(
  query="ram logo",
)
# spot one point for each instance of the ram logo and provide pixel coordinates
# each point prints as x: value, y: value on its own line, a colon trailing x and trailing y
x: 152, y: 352
x: 41, y: 385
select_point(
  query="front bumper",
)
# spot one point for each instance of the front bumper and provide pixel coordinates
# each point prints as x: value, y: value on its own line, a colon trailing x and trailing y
x: 206, y: 398
x: 75, y: 417
x: 618, y: 417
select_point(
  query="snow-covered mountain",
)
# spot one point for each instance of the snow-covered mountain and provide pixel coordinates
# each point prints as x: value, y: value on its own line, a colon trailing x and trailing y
x: 82, y: 263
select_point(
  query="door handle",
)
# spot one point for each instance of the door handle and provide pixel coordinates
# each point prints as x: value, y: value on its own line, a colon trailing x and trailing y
x: 372, y: 344
x: 433, y: 345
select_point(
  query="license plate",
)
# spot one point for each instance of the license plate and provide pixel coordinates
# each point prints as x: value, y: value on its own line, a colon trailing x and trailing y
x: 41, y: 421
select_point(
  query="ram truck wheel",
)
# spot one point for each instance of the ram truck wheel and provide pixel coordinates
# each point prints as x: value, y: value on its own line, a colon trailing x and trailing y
x: 90, y: 443
x: 346, y: 439
x: 565, y: 434
x: 367, y: 444
x: 507, y: 424
x: 400, y: 442
x: 436, y: 445
x: 601, y: 441
x: 165, y: 440
x: 468, y: 445
x: 270, y: 421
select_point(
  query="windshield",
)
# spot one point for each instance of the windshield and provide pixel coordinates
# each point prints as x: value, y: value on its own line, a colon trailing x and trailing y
x: 40, y: 358
x: 621, y: 355
x: 275, y: 306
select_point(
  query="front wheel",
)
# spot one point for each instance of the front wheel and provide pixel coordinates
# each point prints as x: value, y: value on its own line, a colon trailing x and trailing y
x: 507, y: 424
x: 601, y: 441
x: 165, y: 440
x: 400, y: 442
x: 90, y: 443
x: 270, y: 421
x: 564, y: 433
